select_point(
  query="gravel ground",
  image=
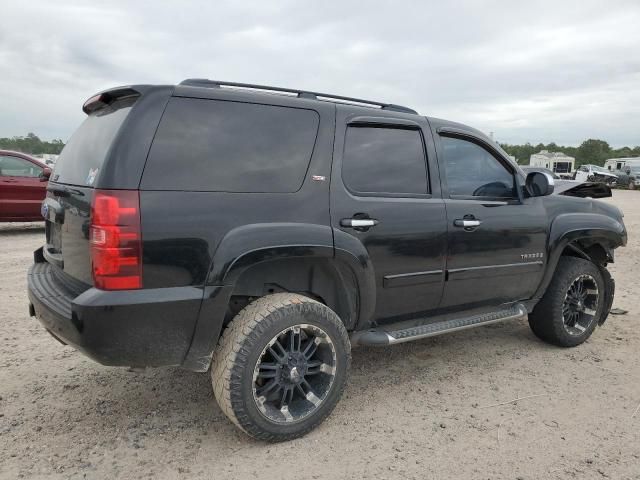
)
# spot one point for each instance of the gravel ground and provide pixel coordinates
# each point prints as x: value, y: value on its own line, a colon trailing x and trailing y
x: 418, y: 410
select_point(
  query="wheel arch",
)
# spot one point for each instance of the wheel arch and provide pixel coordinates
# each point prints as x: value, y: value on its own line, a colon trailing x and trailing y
x: 258, y: 259
x: 322, y: 278
x: 585, y: 235
x: 297, y: 257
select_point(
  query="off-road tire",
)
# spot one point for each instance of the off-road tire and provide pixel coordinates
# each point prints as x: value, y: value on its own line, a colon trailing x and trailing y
x: 241, y: 345
x: 546, y: 320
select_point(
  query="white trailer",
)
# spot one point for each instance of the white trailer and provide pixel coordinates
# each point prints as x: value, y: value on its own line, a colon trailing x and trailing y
x: 614, y: 164
x: 559, y: 163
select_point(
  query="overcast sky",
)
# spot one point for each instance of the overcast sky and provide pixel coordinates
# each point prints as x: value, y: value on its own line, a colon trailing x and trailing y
x: 536, y: 71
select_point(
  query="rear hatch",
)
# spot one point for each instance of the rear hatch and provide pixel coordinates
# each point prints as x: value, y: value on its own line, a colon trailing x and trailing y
x: 67, y: 206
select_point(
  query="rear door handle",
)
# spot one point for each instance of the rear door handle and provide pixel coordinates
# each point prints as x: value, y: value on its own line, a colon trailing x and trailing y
x: 358, y: 222
x: 466, y: 223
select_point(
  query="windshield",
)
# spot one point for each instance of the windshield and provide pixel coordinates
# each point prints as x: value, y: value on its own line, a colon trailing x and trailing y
x: 82, y: 157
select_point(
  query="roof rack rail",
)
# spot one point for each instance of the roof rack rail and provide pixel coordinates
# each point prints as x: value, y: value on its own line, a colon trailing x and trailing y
x: 203, y: 82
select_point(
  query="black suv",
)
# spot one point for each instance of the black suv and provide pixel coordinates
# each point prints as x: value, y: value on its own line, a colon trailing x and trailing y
x: 261, y: 232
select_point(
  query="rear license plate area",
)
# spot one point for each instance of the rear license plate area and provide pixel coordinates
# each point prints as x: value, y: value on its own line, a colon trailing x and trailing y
x: 54, y: 237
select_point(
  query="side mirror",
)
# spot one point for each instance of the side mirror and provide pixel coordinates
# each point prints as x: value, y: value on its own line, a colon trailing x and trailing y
x: 539, y: 184
x: 46, y: 173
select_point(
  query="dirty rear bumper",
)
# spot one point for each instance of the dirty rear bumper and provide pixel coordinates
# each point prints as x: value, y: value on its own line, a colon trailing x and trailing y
x: 148, y: 327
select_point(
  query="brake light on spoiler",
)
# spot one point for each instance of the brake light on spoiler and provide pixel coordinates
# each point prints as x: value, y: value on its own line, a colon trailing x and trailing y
x: 116, y: 240
x: 104, y: 99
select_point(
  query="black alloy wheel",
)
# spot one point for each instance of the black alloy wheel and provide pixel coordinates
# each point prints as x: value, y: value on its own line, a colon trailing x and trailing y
x: 580, y: 305
x: 281, y: 366
x: 574, y: 303
x: 294, y: 373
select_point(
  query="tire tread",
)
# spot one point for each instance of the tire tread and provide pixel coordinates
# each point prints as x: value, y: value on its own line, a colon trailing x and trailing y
x: 544, y: 320
x: 234, y: 347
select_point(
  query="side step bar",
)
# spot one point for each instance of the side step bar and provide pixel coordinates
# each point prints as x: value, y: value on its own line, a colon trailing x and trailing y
x: 380, y: 336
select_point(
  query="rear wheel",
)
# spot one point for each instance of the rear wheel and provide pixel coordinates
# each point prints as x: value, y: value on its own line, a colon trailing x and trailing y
x: 572, y: 305
x: 281, y: 366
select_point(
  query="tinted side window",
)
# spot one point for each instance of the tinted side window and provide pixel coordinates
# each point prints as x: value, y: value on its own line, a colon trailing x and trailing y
x: 474, y: 172
x: 211, y: 145
x: 17, y: 167
x: 384, y: 160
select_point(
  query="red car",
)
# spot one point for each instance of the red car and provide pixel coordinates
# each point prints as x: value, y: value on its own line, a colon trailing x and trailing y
x: 23, y: 184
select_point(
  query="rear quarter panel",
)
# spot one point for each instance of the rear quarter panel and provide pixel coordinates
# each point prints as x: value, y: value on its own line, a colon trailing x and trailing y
x: 182, y: 230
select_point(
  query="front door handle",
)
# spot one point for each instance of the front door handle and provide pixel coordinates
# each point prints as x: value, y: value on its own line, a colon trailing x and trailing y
x: 358, y: 222
x: 466, y: 223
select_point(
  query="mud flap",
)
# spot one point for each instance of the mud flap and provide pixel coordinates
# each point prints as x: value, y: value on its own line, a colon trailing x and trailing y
x: 608, y: 298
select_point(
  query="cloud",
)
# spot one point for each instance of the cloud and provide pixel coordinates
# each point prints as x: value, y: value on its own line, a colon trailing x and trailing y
x: 528, y: 71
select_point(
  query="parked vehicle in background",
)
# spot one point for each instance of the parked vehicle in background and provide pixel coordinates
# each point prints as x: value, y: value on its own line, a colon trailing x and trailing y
x: 23, y: 184
x: 48, y: 159
x: 558, y: 162
x: 618, y: 164
x: 259, y: 233
x: 629, y: 177
x: 574, y: 188
x: 594, y: 173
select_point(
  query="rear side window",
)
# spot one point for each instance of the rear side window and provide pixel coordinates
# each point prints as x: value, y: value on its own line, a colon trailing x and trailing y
x: 211, y: 145
x: 384, y: 161
x: 83, y: 155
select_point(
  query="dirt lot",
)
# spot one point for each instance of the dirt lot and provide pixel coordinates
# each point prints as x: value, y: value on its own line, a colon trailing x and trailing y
x: 418, y: 410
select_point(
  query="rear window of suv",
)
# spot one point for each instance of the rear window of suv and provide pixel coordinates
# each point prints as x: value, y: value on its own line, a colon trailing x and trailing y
x: 214, y: 145
x: 83, y: 155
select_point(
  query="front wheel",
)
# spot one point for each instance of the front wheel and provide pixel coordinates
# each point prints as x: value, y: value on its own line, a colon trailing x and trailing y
x: 281, y: 366
x: 572, y: 305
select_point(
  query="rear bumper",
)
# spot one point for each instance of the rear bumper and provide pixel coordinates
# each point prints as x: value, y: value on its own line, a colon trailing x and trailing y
x: 149, y: 327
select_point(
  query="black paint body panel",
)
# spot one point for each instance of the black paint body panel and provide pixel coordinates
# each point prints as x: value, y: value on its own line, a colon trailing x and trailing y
x: 201, y: 249
x: 150, y: 327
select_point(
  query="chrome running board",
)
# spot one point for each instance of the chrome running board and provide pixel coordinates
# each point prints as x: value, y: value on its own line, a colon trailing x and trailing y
x: 387, y: 336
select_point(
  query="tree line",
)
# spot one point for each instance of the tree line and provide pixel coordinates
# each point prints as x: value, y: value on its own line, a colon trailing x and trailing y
x: 32, y: 144
x: 592, y: 151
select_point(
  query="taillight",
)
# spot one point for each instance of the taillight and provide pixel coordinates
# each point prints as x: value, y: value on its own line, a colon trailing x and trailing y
x: 116, y: 240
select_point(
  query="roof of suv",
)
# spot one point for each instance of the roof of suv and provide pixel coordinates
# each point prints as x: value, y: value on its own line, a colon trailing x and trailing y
x: 263, y: 90
x: 205, y: 88
x: 205, y: 83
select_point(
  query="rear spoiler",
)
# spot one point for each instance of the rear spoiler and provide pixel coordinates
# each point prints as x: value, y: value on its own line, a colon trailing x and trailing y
x: 106, y: 98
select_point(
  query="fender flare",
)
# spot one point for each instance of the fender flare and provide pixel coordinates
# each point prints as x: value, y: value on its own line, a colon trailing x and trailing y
x: 351, y: 251
x: 569, y: 227
x: 245, y: 246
